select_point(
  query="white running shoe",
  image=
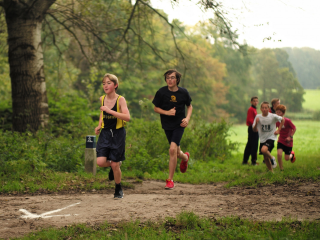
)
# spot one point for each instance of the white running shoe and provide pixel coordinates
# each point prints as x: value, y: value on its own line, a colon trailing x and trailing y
x: 273, y: 162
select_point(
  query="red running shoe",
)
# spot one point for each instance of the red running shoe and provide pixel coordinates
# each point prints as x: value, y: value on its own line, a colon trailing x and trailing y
x: 169, y: 184
x: 293, y: 159
x: 184, y: 164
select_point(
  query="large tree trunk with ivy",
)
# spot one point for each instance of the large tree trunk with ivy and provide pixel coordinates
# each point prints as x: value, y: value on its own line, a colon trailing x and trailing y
x: 29, y: 97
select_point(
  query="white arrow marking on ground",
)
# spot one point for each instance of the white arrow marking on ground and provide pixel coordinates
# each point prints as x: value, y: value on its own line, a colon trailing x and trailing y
x: 44, y: 215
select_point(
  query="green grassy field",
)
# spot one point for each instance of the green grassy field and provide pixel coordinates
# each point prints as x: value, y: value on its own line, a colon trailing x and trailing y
x: 312, y: 100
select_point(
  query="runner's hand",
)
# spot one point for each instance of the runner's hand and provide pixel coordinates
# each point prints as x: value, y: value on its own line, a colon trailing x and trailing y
x: 184, y: 122
x: 276, y: 132
x: 105, y: 109
x: 97, y: 130
x: 172, y: 112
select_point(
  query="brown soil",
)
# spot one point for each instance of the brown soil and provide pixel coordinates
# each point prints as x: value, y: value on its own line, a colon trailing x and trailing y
x: 149, y: 201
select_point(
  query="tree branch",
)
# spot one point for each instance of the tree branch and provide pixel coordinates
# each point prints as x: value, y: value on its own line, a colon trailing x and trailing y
x: 128, y: 25
x: 172, y: 27
x: 73, y: 34
x: 53, y: 36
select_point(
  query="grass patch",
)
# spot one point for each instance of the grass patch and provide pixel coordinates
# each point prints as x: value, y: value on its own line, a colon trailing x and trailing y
x: 49, y: 181
x: 312, y: 99
x: 187, y: 225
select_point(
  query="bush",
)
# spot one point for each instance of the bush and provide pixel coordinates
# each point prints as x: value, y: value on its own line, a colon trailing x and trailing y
x: 25, y: 152
x: 208, y: 141
x: 5, y: 115
x: 147, y: 148
x: 316, y: 116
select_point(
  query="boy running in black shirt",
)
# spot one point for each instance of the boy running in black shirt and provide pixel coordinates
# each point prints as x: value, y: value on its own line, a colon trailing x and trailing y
x: 170, y: 102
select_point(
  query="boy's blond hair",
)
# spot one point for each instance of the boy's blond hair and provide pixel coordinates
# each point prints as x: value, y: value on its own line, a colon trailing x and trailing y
x: 273, y: 101
x: 113, y: 78
x: 264, y: 103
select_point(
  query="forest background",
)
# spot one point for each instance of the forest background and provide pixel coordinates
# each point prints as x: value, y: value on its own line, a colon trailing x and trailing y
x: 220, y: 75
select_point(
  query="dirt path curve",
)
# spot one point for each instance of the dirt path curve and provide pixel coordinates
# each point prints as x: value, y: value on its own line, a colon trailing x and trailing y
x: 149, y: 201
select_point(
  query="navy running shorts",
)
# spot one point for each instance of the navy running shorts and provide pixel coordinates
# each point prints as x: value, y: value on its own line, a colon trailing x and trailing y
x: 174, y: 135
x: 111, y: 144
x: 269, y: 143
x: 287, y: 150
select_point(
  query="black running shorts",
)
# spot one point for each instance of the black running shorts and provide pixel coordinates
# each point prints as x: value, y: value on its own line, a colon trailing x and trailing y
x: 269, y: 143
x: 175, y: 135
x: 111, y: 144
x: 287, y: 150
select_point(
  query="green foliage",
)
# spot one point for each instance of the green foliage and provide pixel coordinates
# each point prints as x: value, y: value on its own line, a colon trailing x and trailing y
x: 208, y: 141
x: 60, y: 147
x: 275, y: 81
x: 72, y: 114
x: 6, y: 115
x: 316, y: 116
x: 27, y: 152
x: 147, y: 146
x: 306, y: 63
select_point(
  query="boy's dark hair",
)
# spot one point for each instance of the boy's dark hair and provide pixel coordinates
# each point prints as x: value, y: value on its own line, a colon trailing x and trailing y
x: 264, y: 103
x: 254, y: 98
x: 281, y: 108
x: 170, y: 71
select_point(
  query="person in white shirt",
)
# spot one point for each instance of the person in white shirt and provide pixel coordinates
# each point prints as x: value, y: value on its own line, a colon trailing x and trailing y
x: 265, y: 125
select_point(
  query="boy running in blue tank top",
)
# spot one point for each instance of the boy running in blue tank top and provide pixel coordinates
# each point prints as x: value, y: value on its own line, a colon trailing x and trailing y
x: 170, y: 102
x: 111, y: 142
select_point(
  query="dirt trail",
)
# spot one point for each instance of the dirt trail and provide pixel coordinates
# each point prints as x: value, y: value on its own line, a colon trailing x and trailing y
x: 149, y: 201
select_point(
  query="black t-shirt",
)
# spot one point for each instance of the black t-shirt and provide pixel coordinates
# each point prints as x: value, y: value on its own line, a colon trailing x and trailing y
x: 166, y: 100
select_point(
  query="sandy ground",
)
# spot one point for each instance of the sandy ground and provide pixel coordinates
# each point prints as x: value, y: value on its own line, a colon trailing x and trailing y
x: 150, y: 201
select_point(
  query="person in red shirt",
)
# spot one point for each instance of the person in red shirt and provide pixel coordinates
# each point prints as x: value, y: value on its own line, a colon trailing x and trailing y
x: 285, y: 140
x: 253, y: 137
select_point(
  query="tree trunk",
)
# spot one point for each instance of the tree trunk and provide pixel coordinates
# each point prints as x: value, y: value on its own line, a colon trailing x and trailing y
x: 29, y: 96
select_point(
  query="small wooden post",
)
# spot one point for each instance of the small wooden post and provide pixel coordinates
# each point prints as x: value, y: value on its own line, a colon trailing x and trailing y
x: 90, y: 163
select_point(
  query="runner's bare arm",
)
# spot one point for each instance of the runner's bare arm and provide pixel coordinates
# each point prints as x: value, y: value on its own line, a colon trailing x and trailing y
x: 280, y: 127
x: 97, y: 129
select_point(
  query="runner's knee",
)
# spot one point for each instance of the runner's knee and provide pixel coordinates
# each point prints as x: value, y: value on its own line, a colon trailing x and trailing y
x: 115, y: 165
x: 101, y: 161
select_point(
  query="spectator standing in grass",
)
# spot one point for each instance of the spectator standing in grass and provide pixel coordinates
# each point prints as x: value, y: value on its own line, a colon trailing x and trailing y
x: 253, y: 137
x: 265, y: 124
x: 285, y: 140
x: 274, y: 103
x: 170, y: 102
x: 111, y: 142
